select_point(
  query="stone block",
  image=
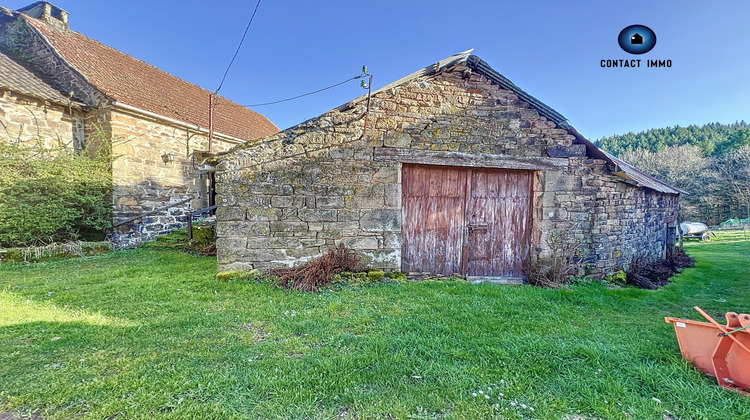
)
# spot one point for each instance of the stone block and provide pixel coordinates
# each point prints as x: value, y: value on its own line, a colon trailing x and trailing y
x: 262, y: 214
x: 301, y: 252
x: 360, y: 242
x: 273, y: 242
x: 289, y: 227
x: 400, y: 140
x: 265, y: 255
x: 290, y: 214
x: 393, y: 196
x: 382, y: 259
x: 347, y: 215
x: 387, y: 174
x: 231, y: 244
x: 237, y: 228
x: 248, y: 200
x: 335, y: 202
x: 270, y: 189
x: 126, y: 201
x: 380, y: 220
x: 317, y: 215
x: 364, y: 153
x: 391, y: 240
x: 364, y: 201
x: 312, y: 242
x: 235, y: 266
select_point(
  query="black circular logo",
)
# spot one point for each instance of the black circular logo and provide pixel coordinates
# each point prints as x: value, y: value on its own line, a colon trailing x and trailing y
x: 637, y: 39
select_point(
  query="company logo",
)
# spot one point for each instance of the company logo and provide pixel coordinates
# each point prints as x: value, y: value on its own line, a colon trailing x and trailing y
x: 637, y: 39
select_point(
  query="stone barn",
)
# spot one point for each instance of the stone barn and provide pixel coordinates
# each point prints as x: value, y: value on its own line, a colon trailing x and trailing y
x: 452, y: 170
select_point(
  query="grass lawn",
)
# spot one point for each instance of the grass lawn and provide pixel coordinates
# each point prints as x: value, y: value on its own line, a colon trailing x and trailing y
x: 150, y: 333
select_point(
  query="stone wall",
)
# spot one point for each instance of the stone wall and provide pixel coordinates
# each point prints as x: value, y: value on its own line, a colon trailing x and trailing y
x: 144, y: 182
x: 26, y: 120
x: 289, y: 197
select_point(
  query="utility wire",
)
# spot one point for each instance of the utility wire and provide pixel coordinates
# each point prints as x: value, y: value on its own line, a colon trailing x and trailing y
x: 308, y: 93
x: 238, y: 47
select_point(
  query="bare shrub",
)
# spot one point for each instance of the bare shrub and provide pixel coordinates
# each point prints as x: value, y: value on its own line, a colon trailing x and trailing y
x: 654, y: 274
x: 567, y: 259
x: 318, y: 272
x: 209, y: 250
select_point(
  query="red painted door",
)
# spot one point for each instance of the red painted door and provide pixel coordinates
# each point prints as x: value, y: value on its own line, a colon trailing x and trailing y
x: 466, y: 221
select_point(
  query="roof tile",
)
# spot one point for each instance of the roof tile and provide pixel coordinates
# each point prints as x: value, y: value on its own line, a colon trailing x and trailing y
x: 133, y: 82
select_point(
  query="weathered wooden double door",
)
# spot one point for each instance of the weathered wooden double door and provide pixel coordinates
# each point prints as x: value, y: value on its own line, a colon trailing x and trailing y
x: 466, y: 221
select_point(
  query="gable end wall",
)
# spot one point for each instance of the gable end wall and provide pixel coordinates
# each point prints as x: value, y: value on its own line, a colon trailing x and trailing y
x: 293, y: 195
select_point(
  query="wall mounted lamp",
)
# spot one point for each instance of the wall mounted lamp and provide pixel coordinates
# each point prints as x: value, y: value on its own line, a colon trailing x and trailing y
x: 168, y: 157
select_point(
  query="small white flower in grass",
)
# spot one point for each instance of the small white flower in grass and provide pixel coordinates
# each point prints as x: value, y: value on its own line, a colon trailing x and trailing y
x: 481, y: 392
x: 473, y: 394
x: 500, y: 394
x: 487, y: 397
x: 523, y: 405
x: 531, y: 408
x: 49, y: 293
x: 81, y: 360
x: 513, y: 403
x: 55, y: 338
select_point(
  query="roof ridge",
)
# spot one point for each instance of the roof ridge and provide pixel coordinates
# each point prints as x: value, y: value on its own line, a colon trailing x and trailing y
x: 115, y: 50
x: 121, y: 78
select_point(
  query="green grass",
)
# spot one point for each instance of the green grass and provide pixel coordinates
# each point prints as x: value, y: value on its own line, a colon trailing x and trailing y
x: 730, y: 235
x: 150, y: 333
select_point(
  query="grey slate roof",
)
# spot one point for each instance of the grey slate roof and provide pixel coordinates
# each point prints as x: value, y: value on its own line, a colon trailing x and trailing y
x: 620, y: 167
x: 18, y: 78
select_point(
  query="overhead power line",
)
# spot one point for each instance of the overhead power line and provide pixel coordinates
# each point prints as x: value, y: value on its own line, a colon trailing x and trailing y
x: 238, y: 47
x: 310, y: 93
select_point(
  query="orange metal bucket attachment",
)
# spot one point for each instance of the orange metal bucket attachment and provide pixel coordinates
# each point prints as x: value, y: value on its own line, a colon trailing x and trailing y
x: 722, y: 351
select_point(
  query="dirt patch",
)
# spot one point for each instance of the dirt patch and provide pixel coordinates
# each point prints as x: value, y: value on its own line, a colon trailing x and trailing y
x: 15, y: 415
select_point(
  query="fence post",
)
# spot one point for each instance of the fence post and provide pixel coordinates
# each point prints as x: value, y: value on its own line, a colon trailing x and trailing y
x: 190, y: 226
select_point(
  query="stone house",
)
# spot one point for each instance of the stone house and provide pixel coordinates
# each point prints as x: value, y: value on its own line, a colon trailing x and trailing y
x: 58, y: 84
x: 450, y: 170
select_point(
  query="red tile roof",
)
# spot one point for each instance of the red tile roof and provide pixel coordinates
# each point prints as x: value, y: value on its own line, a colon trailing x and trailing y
x: 133, y: 82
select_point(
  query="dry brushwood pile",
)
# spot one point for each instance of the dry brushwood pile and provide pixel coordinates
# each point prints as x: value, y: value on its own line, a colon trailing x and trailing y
x: 318, y: 272
x: 209, y: 250
x: 655, y: 274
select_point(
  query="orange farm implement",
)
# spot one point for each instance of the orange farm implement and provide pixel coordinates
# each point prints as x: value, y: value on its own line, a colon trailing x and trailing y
x: 722, y: 351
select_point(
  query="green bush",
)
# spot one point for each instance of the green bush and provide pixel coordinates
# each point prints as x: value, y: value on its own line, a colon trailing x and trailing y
x: 53, y: 195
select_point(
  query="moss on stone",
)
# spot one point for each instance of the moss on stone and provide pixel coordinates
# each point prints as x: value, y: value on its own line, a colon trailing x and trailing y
x: 375, y: 275
x: 236, y: 275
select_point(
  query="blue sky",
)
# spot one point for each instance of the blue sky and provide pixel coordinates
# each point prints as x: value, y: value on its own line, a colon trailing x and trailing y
x: 551, y: 49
